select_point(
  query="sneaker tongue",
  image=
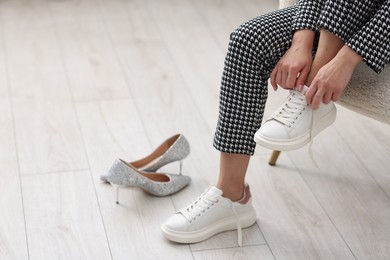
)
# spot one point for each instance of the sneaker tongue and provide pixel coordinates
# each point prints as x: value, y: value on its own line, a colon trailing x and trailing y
x: 214, y: 192
x: 305, y: 89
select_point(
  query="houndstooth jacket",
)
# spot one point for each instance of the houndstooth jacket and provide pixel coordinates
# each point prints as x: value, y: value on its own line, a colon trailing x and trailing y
x: 364, y: 25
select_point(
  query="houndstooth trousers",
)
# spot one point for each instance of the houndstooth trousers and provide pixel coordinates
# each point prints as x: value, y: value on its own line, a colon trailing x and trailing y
x: 257, y: 45
x: 254, y: 49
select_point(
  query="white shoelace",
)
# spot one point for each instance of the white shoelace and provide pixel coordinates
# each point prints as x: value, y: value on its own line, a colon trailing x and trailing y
x: 204, y: 203
x: 311, y: 140
x: 198, y: 207
x: 239, y: 229
x: 293, y: 107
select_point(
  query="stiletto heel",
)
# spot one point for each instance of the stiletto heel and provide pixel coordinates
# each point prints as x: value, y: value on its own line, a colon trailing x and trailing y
x: 175, y: 148
x: 117, y: 187
x: 158, y: 184
x: 180, y: 166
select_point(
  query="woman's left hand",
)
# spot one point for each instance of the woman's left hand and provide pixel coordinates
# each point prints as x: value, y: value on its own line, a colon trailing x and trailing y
x: 332, y: 78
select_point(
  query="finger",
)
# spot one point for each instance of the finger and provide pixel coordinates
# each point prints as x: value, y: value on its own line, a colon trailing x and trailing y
x: 272, y: 78
x: 311, y: 92
x: 336, y: 95
x: 278, y: 78
x: 302, y: 79
x: 284, y: 79
x: 291, y: 79
x: 327, y: 97
x: 317, y: 99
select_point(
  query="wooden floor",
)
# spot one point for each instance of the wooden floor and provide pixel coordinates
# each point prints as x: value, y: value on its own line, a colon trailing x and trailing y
x: 83, y: 82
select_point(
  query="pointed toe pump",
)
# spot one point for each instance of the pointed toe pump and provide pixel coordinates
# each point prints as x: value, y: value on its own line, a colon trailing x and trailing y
x: 176, y: 148
x: 123, y: 174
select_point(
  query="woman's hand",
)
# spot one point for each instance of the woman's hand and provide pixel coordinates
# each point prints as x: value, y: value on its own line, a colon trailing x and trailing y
x: 332, y: 78
x: 292, y: 69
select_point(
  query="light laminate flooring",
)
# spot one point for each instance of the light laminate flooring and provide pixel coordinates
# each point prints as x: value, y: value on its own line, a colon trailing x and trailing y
x: 83, y: 82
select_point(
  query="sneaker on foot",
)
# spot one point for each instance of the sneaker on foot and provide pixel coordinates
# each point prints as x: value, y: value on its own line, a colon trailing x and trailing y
x: 295, y: 123
x: 210, y: 214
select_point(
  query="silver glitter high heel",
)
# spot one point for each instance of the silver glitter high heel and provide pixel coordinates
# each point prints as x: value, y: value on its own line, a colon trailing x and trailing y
x: 175, y: 148
x: 123, y: 174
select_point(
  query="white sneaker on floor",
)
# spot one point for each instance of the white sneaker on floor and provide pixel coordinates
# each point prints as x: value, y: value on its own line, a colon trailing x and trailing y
x: 210, y: 214
x: 294, y: 124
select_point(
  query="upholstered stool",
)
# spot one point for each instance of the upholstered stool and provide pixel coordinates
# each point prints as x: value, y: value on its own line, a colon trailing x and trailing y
x: 368, y: 93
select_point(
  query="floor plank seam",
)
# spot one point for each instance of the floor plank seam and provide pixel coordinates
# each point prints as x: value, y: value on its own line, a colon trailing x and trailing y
x: 121, y: 65
x: 34, y: 174
x: 68, y: 83
x: 204, y: 20
x: 229, y: 247
x: 182, y: 77
x: 9, y: 92
x: 322, y: 207
x: 102, y: 100
x: 265, y: 239
x: 364, y: 166
x: 126, y: 79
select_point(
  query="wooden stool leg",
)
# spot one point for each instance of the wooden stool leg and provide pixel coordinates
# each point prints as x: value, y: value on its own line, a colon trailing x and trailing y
x: 274, y: 158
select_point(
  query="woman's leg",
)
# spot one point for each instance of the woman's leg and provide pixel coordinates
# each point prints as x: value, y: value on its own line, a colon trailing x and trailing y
x: 232, y: 175
x: 254, y: 49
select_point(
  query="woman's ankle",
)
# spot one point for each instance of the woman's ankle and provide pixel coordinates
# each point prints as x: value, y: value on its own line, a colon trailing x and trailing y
x: 234, y: 193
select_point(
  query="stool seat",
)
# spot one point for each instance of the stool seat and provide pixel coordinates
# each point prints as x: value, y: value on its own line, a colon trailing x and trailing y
x: 368, y: 93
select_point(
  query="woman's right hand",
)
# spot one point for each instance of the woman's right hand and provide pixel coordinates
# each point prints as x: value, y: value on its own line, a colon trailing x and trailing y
x: 292, y: 69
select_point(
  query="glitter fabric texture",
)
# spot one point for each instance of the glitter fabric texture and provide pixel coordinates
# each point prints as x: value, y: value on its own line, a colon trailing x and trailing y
x: 178, y: 151
x: 123, y: 174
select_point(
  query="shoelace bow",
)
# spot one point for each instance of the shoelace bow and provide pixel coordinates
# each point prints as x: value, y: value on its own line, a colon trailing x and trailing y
x: 203, y: 203
x: 291, y: 109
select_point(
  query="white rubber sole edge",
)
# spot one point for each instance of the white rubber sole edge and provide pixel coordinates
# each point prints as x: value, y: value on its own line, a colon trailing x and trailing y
x: 300, y: 141
x: 226, y: 224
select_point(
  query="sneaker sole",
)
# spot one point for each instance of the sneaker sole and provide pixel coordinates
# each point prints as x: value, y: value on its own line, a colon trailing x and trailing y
x: 300, y: 141
x: 226, y: 224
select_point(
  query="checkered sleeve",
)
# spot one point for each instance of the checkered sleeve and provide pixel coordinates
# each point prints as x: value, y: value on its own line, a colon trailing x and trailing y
x: 372, y: 41
x: 308, y: 12
x: 363, y: 25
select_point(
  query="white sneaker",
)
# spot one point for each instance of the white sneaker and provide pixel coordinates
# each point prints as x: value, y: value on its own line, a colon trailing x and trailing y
x: 294, y: 124
x: 208, y: 215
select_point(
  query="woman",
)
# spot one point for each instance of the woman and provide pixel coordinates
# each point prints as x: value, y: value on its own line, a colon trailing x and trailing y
x: 280, y: 46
